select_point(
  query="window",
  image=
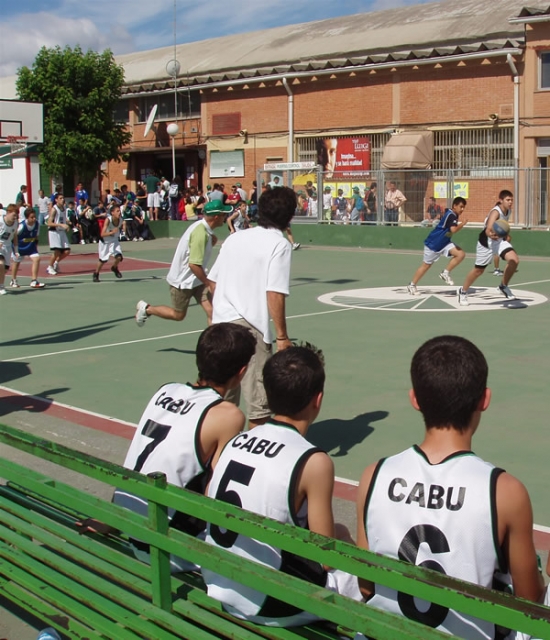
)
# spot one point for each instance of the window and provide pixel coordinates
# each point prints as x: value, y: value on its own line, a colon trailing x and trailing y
x: 545, y: 70
x: 474, y: 150
x: 121, y: 112
x: 189, y: 105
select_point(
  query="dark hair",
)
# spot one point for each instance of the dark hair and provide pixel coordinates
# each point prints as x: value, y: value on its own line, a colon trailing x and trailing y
x: 459, y: 200
x: 292, y: 377
x: 373, y: 185
x: 276, y: 207
x: 449, y: 377
x: 23, y: 186
x: 28, y: 212
x: 223, y: 350
x: 505, y: 194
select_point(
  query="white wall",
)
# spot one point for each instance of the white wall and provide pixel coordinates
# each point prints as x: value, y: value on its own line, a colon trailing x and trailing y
x: 12, y: 179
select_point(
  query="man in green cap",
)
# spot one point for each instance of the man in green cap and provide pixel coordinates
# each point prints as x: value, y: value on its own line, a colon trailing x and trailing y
x: 187, y: 276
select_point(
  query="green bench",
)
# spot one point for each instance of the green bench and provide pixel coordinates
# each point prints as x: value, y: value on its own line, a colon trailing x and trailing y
x: 90, y: 585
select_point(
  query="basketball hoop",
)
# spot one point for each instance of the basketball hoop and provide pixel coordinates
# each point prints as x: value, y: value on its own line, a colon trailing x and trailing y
x: 17, y: 144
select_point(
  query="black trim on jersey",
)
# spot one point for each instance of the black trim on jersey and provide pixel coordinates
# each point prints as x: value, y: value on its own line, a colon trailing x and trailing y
x: 370, y: 491
x: 502, y: 562
x: 280, y: 423
x: 483, y: 239
x: 505, y: 251
x: 299, y: 567
x: 294, y: 480
x: 206, y: 464
x: 456, y: 454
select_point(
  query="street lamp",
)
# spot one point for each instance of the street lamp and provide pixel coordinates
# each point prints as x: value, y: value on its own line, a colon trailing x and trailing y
x: 172, y: 130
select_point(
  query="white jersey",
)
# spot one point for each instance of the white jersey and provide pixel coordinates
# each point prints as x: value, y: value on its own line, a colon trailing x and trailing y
x: 7, y: 232
x: 109, y: 226
x: 258, y: 470
x: 440, y: 516
x: 166, y: 440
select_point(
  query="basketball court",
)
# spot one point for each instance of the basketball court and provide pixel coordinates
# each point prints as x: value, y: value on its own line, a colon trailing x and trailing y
x: 76, y: 369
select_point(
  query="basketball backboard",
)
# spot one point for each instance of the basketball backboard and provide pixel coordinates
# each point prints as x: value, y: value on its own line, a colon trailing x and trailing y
x: 23, y: 120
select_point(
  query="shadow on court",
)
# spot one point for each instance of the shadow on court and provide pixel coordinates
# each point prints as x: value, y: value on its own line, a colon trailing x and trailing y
x: 31, y: 404
x: 73, y: 335
x: 339, y: 436
x: 13, y: 371
x: 298, y: 282
x: 185, y: 352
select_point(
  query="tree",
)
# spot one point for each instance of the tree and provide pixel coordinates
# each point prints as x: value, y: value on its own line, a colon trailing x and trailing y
x: 79, y: 92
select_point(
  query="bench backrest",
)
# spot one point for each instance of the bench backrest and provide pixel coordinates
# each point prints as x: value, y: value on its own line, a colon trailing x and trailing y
x: 500, y: 608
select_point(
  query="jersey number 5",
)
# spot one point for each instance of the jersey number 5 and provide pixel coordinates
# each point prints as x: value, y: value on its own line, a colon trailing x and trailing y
x: 241, y: 474
x: 408, y: 551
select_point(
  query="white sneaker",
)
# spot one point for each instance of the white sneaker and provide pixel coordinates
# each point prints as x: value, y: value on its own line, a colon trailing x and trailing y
x: 444, y: 275
x: 296, y: 246
x: 141, y: 313
x: 14, y: 284
x: 506, y: 291
x: 36, y: 285
x: 2, y: 291
x: 83, y: 242
x: 56, y: 266
x: 51, y: 271
x: 411, y: 288
x: 462, y: 298
x: 498, y: 272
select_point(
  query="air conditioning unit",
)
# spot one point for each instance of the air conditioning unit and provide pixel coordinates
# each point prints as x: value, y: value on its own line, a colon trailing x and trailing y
x: 194, y: 129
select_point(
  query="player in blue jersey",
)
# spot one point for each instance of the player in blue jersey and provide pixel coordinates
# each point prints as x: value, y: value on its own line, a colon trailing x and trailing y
x: 439, y: 243
x: 27, y: 237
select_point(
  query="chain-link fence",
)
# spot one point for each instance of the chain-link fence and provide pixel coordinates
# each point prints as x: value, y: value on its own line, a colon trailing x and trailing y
x: 412, y: 197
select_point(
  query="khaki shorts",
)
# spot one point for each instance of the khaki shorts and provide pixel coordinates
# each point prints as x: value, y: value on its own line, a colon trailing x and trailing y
x: 182, y: 297
x: 252, y: 385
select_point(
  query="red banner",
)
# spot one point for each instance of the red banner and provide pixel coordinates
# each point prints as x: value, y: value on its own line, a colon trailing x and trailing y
x: 344, y: 156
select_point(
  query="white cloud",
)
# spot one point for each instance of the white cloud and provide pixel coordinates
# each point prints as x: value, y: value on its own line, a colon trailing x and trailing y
x: 22, y: 37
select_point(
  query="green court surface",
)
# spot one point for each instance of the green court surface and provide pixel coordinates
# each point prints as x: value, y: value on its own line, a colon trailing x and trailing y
x: 77, y: 343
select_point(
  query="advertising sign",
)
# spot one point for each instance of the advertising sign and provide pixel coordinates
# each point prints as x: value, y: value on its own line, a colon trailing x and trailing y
x: 344, y: 156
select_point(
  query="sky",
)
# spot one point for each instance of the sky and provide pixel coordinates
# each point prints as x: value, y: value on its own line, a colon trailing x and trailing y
x: 126, y: 26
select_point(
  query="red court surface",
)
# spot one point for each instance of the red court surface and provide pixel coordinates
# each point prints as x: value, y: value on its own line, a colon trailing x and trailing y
x: 83, y: 264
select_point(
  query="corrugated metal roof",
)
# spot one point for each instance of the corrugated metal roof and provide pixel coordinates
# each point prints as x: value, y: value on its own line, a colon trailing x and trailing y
x: 421, y: 31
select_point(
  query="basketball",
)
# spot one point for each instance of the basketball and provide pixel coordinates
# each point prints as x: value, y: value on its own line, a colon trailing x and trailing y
x: 501, y: 228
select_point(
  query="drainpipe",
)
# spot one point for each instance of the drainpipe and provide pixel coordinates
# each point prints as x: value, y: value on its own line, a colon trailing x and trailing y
x: 515, y: 76
x: 290, y: 153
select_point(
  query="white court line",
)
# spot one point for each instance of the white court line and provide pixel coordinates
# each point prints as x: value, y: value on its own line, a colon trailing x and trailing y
x: 103, y: 346
x: 172, y: 335
x: 522, y: 284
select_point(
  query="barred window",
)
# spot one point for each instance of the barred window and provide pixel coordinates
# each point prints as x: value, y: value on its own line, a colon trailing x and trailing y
x: 474, y: 150
x: 189, y: 105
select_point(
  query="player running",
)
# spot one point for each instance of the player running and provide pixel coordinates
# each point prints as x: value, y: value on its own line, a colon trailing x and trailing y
x: 493, y: 242
x: 439, y: 243
x: 109, y: 244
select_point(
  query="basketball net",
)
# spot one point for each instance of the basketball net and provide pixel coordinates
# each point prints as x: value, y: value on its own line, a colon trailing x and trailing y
x: 17, y: 144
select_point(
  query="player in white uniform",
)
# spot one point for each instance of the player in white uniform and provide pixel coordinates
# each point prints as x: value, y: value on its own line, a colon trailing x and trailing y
x: 439, y: 506
x: 274, y: 471
x: 8, y: 241
x: 109, y: 243
x: 57, y: 234
x: 490, y: 245
x: 185, y: 427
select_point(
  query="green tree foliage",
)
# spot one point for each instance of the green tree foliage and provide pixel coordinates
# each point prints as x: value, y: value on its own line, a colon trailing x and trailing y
x: 79, y: 92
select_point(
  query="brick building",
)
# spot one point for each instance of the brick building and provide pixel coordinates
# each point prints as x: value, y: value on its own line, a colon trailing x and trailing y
x: 473, y: 76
